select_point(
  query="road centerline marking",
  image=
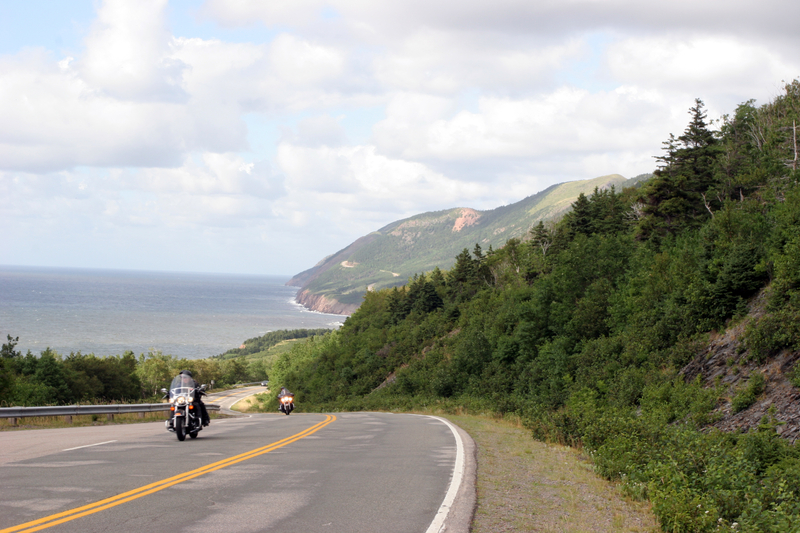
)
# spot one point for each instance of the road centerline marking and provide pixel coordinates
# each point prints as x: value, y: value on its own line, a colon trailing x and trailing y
x: 113, y: 501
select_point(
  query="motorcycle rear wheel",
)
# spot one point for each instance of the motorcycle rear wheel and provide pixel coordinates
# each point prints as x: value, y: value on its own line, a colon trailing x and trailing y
x: 180, y: 430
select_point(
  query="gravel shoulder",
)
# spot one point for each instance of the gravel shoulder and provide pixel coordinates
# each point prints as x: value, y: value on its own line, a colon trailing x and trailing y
x: 526, y: 485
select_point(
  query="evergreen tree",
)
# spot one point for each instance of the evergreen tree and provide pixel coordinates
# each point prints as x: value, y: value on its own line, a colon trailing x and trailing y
x: 676, y: 197
x: 540, y: 237
x: 8, y: 351
x: 579, y: 220
x: 608, y: 211
x: 8, y: 357
x: 462, y: 279
x: 437, y: 278
x: 428, y: 300
x: 481, y: 265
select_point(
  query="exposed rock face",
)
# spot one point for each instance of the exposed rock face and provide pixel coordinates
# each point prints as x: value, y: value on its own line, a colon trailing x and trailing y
x: 318, y: 302
x: 468, y: 218
x: 724, y: 361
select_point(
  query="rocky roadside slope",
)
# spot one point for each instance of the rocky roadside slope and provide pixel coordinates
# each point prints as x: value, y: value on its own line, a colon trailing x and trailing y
x: 726, y: 361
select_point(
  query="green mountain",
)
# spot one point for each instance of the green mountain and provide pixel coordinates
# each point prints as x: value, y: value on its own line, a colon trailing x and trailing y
x: 389, y: 256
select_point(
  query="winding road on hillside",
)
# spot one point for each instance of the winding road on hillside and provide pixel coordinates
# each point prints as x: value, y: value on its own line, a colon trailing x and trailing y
x: 348, y: 472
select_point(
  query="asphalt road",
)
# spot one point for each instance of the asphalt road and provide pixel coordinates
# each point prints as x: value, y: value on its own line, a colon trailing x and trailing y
x: 349, y: 472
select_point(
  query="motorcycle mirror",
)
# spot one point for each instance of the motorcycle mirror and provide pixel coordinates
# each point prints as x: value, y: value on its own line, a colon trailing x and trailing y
x: 203, y: 386
x: 164, y: 391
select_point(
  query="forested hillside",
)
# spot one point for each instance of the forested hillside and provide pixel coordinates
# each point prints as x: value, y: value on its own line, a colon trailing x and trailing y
x: 586, y: 329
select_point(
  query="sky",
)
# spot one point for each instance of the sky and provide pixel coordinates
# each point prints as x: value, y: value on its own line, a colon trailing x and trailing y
x: 258, y: 137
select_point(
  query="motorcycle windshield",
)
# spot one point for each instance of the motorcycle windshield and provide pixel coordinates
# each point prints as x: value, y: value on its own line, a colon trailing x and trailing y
x: 181, y: 385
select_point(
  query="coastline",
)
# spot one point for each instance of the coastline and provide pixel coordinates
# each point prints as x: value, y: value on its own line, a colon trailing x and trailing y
x: 108, y: 312
x: 323, y: 304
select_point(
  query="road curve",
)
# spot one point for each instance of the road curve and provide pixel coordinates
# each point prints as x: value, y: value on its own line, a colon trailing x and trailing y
x: 346, y: 473
x: 226, y: 399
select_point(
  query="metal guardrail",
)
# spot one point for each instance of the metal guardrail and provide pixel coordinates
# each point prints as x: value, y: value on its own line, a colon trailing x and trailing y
x: 75, y: 410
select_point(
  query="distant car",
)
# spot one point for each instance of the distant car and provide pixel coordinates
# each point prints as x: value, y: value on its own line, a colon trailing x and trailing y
x: 264, y: 383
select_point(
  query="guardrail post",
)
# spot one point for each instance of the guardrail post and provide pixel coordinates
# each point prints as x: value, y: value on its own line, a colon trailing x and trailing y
x: 68, y: 419
x: 13, y: 421
x: 110, y: 417
x: 141, y: 414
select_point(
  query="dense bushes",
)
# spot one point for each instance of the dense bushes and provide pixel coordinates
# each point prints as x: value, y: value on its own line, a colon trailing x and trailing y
x: 51, y: 378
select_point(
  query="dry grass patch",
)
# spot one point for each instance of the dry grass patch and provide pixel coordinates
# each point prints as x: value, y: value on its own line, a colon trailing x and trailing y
x: 526, y: 485
x: 249, y: 404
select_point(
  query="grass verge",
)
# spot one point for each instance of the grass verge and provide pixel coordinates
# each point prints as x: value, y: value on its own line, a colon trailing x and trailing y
x: 526, y: 485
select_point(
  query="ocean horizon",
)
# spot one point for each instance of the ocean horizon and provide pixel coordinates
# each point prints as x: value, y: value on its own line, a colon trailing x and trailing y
x: 107, y: 312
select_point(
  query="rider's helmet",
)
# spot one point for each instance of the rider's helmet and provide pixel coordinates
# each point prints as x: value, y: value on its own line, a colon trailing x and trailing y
x: 187, y: 373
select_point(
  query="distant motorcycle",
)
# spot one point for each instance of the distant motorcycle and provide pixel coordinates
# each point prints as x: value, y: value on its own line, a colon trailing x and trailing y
x: 184, y: 398
x: 286, y: 402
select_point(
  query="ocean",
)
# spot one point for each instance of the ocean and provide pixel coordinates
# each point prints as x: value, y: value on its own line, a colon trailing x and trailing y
x: 106, y: 312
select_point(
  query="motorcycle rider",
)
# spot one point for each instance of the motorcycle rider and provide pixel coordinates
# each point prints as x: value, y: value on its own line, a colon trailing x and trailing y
x: 198, y: 402
x: 284, y: 392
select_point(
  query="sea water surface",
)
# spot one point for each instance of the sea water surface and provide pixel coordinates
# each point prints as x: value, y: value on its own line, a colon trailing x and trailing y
x: 107, y: 312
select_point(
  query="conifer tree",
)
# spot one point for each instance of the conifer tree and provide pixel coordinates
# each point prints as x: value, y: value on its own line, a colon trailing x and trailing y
x: 676, y: 196
x: 580, y: 219
x: 540, y: 237
x: 462, y: 279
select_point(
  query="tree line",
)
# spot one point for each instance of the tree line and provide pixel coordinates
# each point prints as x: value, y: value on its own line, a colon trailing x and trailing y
x: 52, y: 379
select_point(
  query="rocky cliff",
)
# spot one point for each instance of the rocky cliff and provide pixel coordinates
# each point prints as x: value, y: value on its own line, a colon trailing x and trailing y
x: 724, y: 360
x: 323, y: 304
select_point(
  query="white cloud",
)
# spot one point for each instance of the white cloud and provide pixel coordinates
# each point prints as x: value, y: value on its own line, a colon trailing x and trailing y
x: 245, y: 12
x: 711, y: 65
x: 54, y: 119
x: 300, y: 62
x: 358, y: 187
x: 443, y: 62
x: 566, y: 121
x: 128, y: 53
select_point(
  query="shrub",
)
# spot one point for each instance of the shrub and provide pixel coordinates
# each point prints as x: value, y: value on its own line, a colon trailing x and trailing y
x: 748, y: 396
x: 794, y: 375
x: 773, y: 332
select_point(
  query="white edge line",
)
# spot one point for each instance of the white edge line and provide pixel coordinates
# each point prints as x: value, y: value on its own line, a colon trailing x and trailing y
x: 88, y: 445
x: 239, y: 400
x: 458, y: 473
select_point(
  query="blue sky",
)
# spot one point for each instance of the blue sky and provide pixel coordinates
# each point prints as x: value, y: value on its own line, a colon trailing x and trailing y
x: 258, y: 137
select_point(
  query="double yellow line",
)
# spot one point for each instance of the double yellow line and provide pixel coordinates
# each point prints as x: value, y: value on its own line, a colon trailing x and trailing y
x: 101, y: 505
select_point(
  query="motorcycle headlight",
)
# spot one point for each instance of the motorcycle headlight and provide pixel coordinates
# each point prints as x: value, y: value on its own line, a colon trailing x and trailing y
x: 181, y: 400
x: 191, y: 399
